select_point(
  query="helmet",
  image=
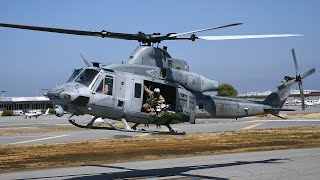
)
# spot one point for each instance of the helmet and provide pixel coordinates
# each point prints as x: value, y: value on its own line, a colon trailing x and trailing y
x: 156, y: 90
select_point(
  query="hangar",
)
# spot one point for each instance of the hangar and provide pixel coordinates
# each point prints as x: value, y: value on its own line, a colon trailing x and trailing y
x: 17, y: 104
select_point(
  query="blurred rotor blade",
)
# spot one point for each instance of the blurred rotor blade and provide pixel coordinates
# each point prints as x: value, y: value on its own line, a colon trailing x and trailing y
x: 216, y: 38
x: 75, y: 32
x: 295, y: 62
x: 207, y: 29
x: 301, y: 95
x: 308, y: 73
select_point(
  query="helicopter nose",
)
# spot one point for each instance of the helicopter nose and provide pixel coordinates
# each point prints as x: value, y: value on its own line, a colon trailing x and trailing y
x: 74, y: 98
x: 67, y: 96
x: 53, y: 94
x: 69, y: 93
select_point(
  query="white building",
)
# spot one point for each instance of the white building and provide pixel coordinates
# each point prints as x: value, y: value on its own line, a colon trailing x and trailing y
x: 22, y: 103
x: 310, y: 95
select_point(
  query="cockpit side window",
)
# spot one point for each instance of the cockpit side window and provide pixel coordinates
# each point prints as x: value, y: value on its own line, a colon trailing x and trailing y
x: 87, y: 76
x: 106, y: 86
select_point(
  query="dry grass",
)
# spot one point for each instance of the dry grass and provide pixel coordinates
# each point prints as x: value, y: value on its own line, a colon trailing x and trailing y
x: 27, y: 157
x: 308, y: 116
x: 289, y: 116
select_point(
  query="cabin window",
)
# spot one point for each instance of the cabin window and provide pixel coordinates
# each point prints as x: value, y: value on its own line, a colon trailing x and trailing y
x: 106, y: 86
x: 163, y: 73
x: 170, y: 63
x: 200, y: 106
x: 137, y: 90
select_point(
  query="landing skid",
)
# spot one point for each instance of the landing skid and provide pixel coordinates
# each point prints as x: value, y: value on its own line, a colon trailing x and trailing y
x: 112, y: 127
x: 279, y: 116
x: 88, y: 127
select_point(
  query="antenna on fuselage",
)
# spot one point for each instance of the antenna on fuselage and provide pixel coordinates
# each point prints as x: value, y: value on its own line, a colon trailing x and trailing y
x: 85, y: 61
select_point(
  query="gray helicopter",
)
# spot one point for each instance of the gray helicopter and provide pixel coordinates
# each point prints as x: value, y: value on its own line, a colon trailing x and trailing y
x: 154, y: 88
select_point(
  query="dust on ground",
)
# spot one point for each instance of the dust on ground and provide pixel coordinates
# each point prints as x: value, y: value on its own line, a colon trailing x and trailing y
x: 104, y: 151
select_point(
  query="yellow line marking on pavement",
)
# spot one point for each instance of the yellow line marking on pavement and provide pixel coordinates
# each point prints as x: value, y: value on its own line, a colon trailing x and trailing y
x: 41, y: 139
x: 253, y: 126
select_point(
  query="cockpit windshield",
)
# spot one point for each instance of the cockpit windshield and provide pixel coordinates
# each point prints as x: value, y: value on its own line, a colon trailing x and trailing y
x: 74, y: 74
x: 86, y: 76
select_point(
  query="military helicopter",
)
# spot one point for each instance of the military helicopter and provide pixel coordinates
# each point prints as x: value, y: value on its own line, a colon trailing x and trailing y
x: 130, y: 92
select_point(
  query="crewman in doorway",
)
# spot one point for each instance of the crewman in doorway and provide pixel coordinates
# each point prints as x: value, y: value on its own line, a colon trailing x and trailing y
x: 154, y: 99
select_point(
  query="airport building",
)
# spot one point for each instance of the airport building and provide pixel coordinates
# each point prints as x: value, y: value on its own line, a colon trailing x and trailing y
x: 17, y: 104
x: 309, y: 95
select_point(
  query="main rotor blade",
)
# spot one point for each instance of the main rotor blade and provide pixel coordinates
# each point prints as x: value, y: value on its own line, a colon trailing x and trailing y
x: 216, y: 38
x: 46, y: 29
x: 74, y: 32
x: 308, y: 73
x: 207, y: 29
x: 295, y: 62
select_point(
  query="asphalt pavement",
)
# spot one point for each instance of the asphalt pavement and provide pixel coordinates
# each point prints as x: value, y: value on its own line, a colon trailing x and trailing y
x: 284, y: 164
x: 77, y: 134
x: 281, y: 164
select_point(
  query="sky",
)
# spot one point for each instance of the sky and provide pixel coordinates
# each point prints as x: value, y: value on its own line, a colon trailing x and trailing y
x: 32, y: 61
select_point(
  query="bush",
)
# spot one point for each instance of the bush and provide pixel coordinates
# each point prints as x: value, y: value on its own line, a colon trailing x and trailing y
x: 227, y: 90
x: 7, y: 113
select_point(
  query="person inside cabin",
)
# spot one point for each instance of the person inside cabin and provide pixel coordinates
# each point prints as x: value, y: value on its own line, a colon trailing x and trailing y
x: 108, y: 86
x: 106, y: 89
x: 154, y: 98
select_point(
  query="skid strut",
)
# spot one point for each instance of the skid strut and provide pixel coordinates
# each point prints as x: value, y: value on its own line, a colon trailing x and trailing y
x: 127, y: 128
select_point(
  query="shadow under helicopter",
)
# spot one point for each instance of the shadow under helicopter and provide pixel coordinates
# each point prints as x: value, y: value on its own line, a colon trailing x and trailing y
x: 182, y: 172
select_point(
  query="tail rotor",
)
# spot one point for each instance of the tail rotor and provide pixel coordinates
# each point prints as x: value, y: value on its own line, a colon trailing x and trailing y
x: 299, y: 77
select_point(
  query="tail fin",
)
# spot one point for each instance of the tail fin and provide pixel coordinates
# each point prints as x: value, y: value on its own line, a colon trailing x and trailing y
x: 279, y: 96
x: 47, y: 112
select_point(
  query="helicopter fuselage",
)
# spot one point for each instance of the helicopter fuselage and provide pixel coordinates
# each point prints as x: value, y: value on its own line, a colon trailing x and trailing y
x: 151, y: 68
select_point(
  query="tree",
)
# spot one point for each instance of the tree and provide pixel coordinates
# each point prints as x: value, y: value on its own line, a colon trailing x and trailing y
x: 227, y: 90
x: 7, y: 113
